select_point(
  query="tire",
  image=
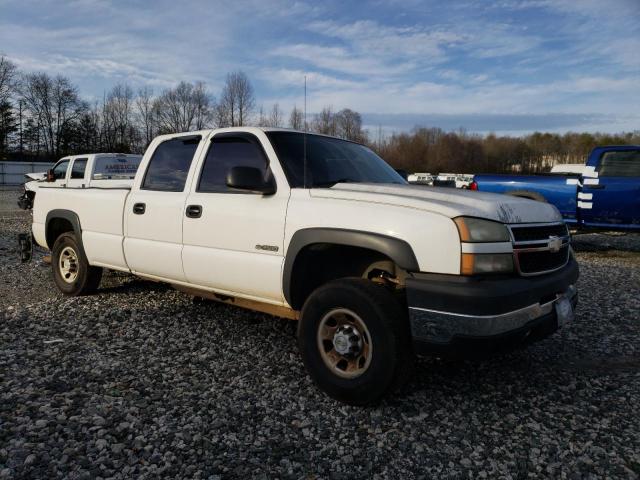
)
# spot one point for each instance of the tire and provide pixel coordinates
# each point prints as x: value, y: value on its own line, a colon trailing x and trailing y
x: 338, y: 308
x: 71, y: 271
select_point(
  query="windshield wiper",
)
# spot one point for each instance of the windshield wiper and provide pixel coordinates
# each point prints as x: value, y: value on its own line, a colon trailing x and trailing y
x: 331, y: 183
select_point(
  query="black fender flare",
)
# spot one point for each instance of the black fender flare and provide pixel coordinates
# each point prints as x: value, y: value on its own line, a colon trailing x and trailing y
x: 396, y: 249
x: 527, y: 194
x: 72, y: 218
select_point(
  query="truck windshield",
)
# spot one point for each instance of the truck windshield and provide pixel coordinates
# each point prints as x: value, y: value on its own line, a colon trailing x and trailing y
x: 329, y: 161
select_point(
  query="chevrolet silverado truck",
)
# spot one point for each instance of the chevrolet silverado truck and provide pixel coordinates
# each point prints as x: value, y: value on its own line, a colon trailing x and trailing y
x: 604, y: 196
x: 323, y: 231
x: 97, y: 169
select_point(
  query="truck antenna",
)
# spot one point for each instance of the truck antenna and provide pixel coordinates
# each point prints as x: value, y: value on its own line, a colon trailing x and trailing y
x: 304, y: 141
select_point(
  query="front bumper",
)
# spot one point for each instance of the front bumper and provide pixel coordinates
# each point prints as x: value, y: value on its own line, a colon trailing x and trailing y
x: 449, y: 313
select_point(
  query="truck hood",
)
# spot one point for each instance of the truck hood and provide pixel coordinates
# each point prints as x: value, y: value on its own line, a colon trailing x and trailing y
x: 445, y: 201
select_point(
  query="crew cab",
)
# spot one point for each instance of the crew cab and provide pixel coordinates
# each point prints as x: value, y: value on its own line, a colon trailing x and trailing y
x: 95, y: 169
x: 604, y: 195
x: 323, y: 231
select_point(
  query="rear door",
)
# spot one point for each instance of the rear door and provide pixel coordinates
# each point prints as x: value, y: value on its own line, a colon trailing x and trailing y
x: 77, y: 174
x: 155, y: 208
x: 235, y: 244
x: 611, y: 195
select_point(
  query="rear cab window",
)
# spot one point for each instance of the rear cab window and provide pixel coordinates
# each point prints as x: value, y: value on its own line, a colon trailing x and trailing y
x: 622, y: 163
x: 78, y: 168
x: 170, y: 163
x: 108, y: 167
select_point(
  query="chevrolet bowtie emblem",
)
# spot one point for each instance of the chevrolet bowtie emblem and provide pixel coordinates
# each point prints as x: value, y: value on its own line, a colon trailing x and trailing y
x: 554, y: 244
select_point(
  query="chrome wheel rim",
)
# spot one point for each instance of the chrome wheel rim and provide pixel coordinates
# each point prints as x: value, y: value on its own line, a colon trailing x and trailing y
x: 344, y: 343
x: 68, y: 264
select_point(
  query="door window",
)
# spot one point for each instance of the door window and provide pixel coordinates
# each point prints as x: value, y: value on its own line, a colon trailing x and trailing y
x: 169, y: 165
x: 226, y: 152
x: 78, y: 168
x: 620, y: 164
x: 60, y: 170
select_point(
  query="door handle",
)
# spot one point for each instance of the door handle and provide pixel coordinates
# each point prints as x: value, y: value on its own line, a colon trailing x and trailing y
x: 139, y: 208
x: 194, y: 211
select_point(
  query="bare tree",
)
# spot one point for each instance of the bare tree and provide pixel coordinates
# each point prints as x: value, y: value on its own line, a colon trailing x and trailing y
x: 349, y: 125
x: 275, y: 116
x: 296, y: 119
x: 145, y: 115
x: 54, y: 104
x: 7, y: 77
x: 183, y: 108
x: 325, y: 122
x: 237, y: 101
x: 117, y: 118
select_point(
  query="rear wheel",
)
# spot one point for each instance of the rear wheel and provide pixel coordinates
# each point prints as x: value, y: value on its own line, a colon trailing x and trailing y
x: 72, y: 273
x: 354, y: 340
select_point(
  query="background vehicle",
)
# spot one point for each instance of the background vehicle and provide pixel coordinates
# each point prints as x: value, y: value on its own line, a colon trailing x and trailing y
x: 605, y: 196
x: 321, y: 230
x: 84, y: 171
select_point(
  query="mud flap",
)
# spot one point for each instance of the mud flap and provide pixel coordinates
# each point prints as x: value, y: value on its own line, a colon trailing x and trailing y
x: 26, y: 247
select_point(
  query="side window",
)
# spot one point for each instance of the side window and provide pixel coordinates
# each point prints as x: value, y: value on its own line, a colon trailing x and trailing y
x: 620, y: 164
x: 169, y: 165
x: 60, y: 170
x: 78, y: 168
x: 224, y: 153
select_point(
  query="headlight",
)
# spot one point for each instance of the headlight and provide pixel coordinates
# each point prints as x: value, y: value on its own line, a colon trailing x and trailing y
x: 479, y: 230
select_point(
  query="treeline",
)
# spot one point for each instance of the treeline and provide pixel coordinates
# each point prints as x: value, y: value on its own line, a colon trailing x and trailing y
x: 434, y: 150
x: 43, y: 117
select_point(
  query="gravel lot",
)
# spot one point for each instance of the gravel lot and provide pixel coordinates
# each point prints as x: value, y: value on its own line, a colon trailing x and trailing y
x: 141, y: 381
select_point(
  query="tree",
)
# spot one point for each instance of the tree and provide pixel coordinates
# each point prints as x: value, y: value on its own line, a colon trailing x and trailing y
x: 145, y: 114
x: 349, y: 125
x: 325, y: 122
x: 183, y: 108
x: 237, y: 101
x: 54, y: 104
x: 275, y: 116
x: 117, y: 118
x: 7, y: 77
x: 8, y: 124
x: 296, y: 119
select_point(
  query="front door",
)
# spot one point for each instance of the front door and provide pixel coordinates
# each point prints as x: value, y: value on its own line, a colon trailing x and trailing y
x: 233, y: 239
x: 615, y: 192
x: 154, y: 210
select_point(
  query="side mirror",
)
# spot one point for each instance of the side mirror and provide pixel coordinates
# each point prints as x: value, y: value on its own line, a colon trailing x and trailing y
x: 50, y: 176
x: 250, y: 179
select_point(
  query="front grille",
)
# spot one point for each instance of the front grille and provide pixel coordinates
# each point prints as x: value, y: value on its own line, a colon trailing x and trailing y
x: 541, y: 232
x: 534, y: 245
x: 532, y: 262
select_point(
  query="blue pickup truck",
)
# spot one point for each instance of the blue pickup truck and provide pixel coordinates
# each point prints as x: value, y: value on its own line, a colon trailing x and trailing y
x: 605, y: 196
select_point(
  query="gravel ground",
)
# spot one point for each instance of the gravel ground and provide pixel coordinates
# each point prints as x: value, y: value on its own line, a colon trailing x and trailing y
x: 141, y: 381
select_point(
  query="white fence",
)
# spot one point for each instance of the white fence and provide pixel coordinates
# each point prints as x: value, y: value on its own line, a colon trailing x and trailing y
x: 12, y: 173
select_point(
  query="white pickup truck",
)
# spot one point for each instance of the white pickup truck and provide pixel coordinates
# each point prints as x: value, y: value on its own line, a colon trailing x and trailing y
x: 94, y: 169
x: 322, y: 230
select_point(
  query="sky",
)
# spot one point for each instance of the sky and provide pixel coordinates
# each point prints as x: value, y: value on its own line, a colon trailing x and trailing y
x: 508, y: 66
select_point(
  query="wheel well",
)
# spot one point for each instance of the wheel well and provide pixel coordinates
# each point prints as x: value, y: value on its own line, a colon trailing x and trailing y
x: 526, y: 194
x: 319, y: 263
x: 55, y: 228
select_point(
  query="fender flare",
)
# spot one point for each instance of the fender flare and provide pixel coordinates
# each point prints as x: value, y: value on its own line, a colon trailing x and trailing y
x: 396, y: 249
x: 527, y: 194
x: 72, y: 218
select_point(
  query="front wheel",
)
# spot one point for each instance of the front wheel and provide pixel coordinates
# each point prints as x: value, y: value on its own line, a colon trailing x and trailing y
x: 354, y: 340
x: 72, y: 273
